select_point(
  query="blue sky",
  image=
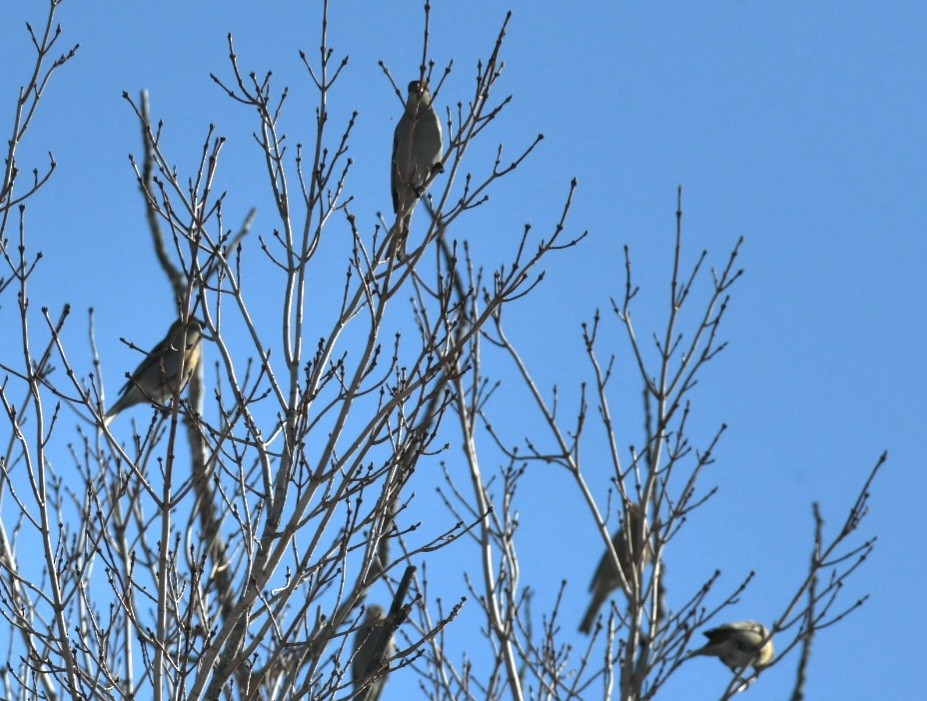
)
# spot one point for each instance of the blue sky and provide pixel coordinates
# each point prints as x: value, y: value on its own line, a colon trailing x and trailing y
x: 800, y: 126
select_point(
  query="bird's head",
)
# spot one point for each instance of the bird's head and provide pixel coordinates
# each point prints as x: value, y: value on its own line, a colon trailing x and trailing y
x: 374, y: 613
x: 419, y: 97
x: 194, y: 329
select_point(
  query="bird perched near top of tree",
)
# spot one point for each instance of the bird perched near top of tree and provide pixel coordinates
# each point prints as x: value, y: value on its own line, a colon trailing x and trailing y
x: 371, y: 651
x: 630, y: 551
x: 158, y: 377
x: 739, y: 644
x: 418, y: 146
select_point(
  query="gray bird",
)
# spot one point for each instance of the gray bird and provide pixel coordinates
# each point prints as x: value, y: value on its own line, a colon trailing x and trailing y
x: 606, y: 578
x: 739, y: 644
x: 156, y: 377
x: 368, y: 641
x: 417, y: 150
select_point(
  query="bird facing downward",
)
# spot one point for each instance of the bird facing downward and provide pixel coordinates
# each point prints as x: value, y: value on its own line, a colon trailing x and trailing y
x: 418, y: 146
x: 156, y: 377
x: 367, y: 640
x: 607, y: 578
x: 739, y: 644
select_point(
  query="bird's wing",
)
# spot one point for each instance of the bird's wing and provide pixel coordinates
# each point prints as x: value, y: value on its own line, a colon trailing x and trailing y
x: 717, y: 635
x: 394, y: 167
x: 153, y: 357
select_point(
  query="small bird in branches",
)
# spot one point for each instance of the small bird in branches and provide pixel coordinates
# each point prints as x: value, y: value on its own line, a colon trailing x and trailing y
x: 373, y: 646
x: 630, y: 551
x: 157, y: 378
x: 739, y: 644
x: 418, y: 146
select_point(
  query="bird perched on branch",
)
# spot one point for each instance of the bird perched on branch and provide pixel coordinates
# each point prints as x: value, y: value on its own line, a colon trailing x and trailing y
x: 157, y: 378
x: 373, y: 646
x: 739, y: 644
x: 418, y: 146
x: 630, y: 551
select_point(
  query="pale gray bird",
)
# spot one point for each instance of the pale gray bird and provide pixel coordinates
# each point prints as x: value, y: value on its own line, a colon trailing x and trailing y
x: 369, y: 642
x: 739, y: 644
x: 418, y: 146
x: 156, y: 377
x: 606, y: 578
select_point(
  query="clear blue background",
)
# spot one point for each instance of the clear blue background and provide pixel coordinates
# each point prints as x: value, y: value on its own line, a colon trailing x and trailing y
x: 800, y: 126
